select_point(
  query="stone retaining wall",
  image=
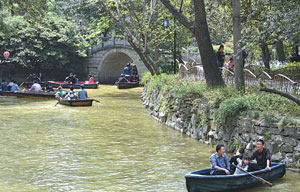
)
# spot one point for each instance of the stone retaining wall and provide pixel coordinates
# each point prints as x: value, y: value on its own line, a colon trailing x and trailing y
x: 194, y: 117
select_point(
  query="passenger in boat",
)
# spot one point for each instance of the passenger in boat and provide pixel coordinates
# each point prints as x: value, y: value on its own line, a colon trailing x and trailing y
x: 233, y: 160
x: 9, y: 85
x: 49, y: 88
x: 14, y: 87
x: 82, y: 94
x: 127, y: 69
x: 71, y: 95
x: 219, y: 162
x: 36, y: 87
x: 60, y: 94
x: 70, y: 79
x: 262, y: 156
x: 91, y: 79
x: 122, y: 79
x: 4, y: 85
x: 134, y: 73
x: 242, y: 164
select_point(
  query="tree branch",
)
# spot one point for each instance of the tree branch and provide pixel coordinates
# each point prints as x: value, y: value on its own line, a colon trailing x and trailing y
x: 179, y: 16
x: 283, y: 94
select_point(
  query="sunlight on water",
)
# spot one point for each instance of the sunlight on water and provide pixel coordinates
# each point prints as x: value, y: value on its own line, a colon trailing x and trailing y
x: 114, y: 146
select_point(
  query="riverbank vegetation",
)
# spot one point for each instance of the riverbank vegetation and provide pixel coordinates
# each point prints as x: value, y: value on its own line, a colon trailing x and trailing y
x: 226, y: 101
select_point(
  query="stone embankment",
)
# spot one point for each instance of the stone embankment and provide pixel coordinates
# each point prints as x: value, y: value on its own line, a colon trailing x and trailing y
x: 194, y: 117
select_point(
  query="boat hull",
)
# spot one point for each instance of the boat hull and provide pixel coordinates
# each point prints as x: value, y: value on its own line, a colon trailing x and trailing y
x: 198, y: 181
x: 63, y: 84
x: 36, y: 95
x: 127, y: 85
x: 77, y: 103
x: 7, y: 93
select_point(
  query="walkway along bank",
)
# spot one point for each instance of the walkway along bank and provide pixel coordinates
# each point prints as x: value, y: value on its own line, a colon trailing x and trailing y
x: 194, y: 116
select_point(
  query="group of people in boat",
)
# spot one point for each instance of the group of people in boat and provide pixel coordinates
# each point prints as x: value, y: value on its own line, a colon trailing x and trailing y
x: 72, y: 79
x: 71, y: 95
x: 130, y: 74
x: 11, y: 86
x: 239, y: 163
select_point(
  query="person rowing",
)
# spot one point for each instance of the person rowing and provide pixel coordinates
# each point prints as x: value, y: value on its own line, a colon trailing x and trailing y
x: 262, y: 157
x: 82, y: 94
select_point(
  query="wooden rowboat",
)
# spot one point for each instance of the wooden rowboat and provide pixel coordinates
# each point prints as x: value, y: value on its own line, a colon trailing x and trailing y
x: 36, y: 95
x: 7, y: 93
x: 199, y: 181
x: 76, y: 103
x: 127, y: 85
x: 75, y: 86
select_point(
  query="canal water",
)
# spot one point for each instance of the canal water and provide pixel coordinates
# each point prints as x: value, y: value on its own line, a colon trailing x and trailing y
x: 113, y: 146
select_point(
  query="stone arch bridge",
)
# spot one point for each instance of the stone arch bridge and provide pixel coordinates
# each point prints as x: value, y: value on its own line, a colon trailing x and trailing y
x: 106, y: 61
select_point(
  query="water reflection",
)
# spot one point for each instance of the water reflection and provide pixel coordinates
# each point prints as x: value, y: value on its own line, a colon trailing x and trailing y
x: 111, y: 146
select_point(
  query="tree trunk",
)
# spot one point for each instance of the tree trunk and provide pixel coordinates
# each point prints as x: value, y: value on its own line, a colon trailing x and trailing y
x: 265, y: 55
x: 200, y: 29
x: 212, y: 72
x: 280, y: 51
x: 297, y: 50
x: 238, y: 60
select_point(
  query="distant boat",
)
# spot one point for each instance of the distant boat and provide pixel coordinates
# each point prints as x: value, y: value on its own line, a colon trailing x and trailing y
x: 36, y: 95
x: 7, y: 93
x: 76, y: 103
x: 199, y: 181
x: 127, y: 85
x: 64, y: 84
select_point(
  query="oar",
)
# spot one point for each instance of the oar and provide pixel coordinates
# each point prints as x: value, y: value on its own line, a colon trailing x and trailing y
x: 56, y: 104
x: 96, y: 100
x: 258, y: 178
x: 24, y: 81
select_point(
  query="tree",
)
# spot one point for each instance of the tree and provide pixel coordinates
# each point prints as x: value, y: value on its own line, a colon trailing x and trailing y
x: 199, y: 28
x: 237, y: 28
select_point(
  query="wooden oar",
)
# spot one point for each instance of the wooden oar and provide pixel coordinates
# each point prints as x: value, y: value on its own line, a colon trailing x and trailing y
x: 24, y: 81
x: 96, y: 100
x: 258, y: 178
x: 56, y: 104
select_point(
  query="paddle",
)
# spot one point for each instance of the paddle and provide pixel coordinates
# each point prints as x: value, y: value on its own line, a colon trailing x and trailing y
x: 258, y: 178
x: 96, y: 100
x: 24, y: 81
x: 56, y: 104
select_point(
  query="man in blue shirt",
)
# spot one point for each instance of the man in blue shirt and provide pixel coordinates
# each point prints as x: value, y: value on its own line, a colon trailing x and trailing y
x: 219, y: 162
x: 82, y: 94
x: 127, y: 69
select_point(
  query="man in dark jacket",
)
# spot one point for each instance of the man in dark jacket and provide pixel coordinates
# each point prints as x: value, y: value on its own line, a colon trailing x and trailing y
x: 262, y: 156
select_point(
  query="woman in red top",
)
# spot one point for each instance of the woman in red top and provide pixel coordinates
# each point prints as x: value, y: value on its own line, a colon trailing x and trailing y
x: 91, y: 79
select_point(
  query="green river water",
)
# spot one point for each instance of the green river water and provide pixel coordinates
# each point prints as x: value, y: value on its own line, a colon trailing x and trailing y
x: 112, y: 146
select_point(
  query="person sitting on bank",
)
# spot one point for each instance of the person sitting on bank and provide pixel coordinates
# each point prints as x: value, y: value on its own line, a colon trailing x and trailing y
x: 219, y: 162
x: 233, y: 160
x: 242, y: 164
x: 122, y: 79
x: 91, y: 79
x: 14, y: 87
x: 60, y: 94
x: 262, y: 156
x: 71, y: 95
x: 36, y: 87
x: 82, y: 94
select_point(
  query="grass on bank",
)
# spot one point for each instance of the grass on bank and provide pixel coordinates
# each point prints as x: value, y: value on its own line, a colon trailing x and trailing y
x: 228, y: 102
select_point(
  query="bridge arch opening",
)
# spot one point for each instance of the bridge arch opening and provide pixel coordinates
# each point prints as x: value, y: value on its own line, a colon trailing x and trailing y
x: 112, y: 67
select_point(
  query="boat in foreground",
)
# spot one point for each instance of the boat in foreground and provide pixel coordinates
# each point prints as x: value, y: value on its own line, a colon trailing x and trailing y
x: 75, y: 86
x: 36, y: 95
x: 76, y: 103
x: 127, y: 85
x: 202, y: 181
x: 7, y: 93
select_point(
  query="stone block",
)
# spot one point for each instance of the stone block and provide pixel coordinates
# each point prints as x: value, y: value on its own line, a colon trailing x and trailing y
x: 264, y: 123
x: 276, y: 130
x: 260, y: 130
x: 289, y: 131
x: 277, y: 157
x: 286, y: 148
